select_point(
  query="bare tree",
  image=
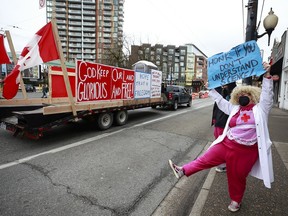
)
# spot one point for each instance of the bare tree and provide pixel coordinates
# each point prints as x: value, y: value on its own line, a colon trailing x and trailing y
x: 118, y: 55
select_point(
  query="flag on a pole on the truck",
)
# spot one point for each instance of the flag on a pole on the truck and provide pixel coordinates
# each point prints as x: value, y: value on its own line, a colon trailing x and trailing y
x: 240, y: 62
x: 4, y: 58
x: 42, y: 48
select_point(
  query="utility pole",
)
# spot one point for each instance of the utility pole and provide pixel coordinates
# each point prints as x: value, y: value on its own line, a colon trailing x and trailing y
x: 251, y: 33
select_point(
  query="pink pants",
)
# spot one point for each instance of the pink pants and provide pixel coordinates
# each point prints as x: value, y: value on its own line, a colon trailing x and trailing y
x: 239, y: 161
x: 218, y: 131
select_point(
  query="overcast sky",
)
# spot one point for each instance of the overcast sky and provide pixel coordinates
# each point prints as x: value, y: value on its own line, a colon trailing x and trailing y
x: 212, y: 25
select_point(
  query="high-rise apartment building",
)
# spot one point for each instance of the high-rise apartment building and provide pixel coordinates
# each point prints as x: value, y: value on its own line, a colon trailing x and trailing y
x: 88, y: 29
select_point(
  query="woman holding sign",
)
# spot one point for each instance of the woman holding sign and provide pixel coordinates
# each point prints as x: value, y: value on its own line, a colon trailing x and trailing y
x: 245, y: 145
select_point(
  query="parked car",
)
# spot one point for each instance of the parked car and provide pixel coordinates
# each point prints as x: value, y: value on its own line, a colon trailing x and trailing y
x: 177, y: 95
x: 30, y: 88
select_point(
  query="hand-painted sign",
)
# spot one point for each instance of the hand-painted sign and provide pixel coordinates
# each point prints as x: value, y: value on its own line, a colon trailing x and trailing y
x: 240, y: 62
x: 142, y: 85
x: 156, y: 79
x: 101, y: 82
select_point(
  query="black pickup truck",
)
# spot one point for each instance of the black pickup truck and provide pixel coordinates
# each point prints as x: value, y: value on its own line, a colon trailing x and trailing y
x: 176, y: 95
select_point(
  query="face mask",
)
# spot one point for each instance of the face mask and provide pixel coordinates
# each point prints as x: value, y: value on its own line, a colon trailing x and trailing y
x: 244, y: 100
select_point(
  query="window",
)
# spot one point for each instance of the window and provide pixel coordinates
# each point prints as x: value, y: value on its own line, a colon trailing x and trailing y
x: 158, y: 50
x: 183, y: 52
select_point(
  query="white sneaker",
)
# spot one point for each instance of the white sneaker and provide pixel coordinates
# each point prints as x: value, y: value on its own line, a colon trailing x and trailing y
x: 234, y: 206
x: 220, y: 169
x: 178, y: 171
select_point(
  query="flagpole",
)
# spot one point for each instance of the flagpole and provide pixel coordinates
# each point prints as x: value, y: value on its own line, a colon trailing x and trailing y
x: 14, y: 56
x: 63, y: 66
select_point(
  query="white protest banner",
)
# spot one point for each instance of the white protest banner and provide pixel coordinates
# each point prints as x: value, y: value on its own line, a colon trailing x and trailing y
x: 142, y: 85
x: 156, y: 83
x: 240, y: 62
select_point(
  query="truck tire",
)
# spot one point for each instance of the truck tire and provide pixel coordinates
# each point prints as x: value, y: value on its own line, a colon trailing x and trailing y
x: 120, y: 117
x: 189, y: 103
x: 153, y: 106
x: 104, y: 120
x: 175, y: 105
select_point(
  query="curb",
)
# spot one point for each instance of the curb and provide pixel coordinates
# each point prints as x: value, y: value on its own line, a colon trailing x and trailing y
x: 202, y: 197
x: 203, y: 194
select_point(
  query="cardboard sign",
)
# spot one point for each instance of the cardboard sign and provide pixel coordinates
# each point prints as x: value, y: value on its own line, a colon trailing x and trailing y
x: 142, y: 85
x: 102, y: 82
x: 156, y: 80
x: 240, y: 62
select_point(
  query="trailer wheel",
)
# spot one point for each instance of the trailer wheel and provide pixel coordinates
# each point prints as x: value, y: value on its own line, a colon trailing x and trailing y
x: 120, y: 117
x: 104, y: 121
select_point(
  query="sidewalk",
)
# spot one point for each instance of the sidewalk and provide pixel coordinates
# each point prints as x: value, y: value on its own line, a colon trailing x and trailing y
x: 258, y: 200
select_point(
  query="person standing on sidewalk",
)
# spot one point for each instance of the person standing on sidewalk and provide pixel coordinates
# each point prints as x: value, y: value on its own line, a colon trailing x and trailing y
x: 219, y: 118
x: 245, y: 145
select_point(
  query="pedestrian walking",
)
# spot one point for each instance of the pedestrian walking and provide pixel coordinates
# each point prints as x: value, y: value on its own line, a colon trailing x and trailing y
x: 44, y: 91
x: 244, y: 145
x: 219, y: 118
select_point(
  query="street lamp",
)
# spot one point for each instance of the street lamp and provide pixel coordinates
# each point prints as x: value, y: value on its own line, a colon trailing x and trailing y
x: 270, y: 22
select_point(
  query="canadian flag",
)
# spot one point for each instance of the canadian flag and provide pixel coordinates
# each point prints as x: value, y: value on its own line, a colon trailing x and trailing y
x: 42, y: 48
x: 4, y: 58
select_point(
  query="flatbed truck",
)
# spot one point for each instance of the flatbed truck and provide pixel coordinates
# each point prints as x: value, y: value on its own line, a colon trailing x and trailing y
x: 31, y: 117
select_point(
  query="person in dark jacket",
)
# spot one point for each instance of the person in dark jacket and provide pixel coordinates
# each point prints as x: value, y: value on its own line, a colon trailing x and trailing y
x: 44, y: 91
x: 219, y: 118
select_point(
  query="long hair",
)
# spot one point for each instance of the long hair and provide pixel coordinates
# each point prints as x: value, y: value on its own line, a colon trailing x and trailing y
x: 253, y: 91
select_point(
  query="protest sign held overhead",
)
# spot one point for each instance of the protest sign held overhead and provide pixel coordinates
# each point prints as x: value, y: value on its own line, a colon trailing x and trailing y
x: 240, y: 62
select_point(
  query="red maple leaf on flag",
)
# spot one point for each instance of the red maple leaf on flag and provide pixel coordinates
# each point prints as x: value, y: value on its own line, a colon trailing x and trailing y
x: 42, y: 48
x: 4, y: 58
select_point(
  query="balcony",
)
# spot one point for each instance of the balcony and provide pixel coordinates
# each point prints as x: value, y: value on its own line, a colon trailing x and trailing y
x: 91, y: 24
x: 75, y: 51
x: 89, y: 51
x: 75, y: 34
x: 91, y: 7
x: 71, y: 39
x: 86, y: 18
x: 88, y: 29
x: 74, y: 6
x: 91, y: 13
x: 89, y: 35
x: 88, y: 1
x: 74, y: 11
x: 74, y: 17
x: 60, y: 4
x: 89, y: 40
x: 107, y: 2
x: 59, y: 10
x: 75, y: 45
x: 75, y: 23
x: 71, y: 28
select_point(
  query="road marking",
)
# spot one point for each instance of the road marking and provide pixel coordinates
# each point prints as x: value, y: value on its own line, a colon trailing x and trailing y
x: 92, y: 139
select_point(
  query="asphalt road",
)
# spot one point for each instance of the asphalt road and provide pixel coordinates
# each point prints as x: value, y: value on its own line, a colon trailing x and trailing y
x: 77, y: 170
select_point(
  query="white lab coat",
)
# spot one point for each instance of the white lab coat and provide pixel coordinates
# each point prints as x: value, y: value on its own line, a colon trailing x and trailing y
x: 263, y: 168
